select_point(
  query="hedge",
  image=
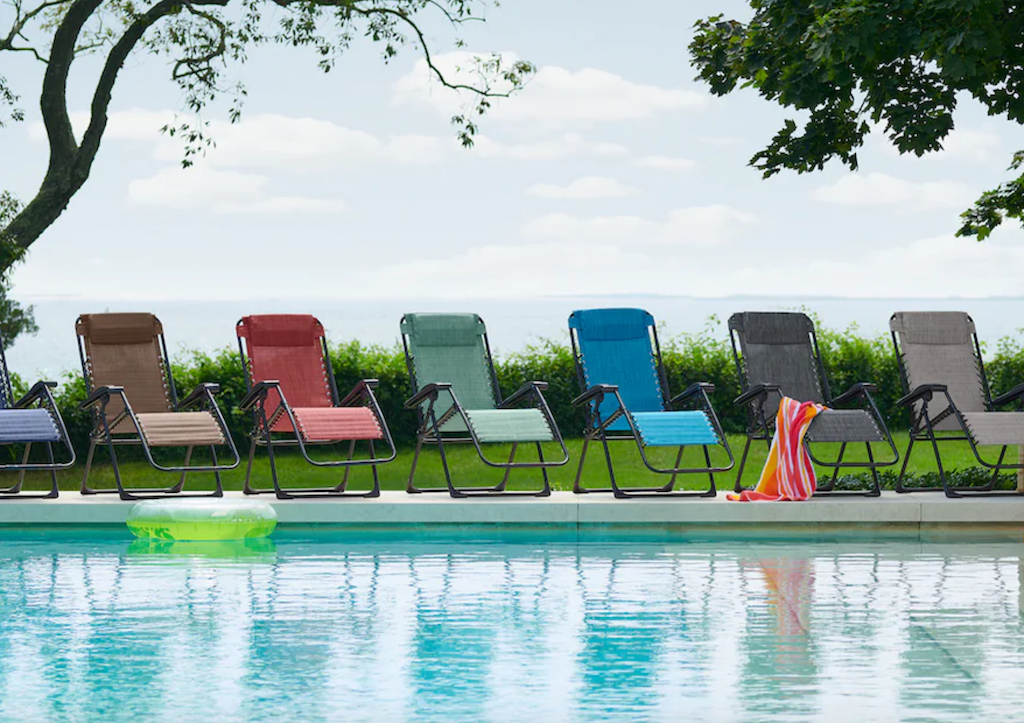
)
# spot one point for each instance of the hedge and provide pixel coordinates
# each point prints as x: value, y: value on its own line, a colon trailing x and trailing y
x: 705, y: 356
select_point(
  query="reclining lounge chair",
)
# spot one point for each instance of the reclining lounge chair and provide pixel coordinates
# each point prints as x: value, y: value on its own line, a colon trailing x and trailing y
x: 625, y: 392
x: 131, y: 393
x: 292, y: 394
x: 948, y: 394
x: 33, y: 419
x: 777, y: 355
x: 458, y: 400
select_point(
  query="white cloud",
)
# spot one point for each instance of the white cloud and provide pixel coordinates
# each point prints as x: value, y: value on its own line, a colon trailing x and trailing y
x: 588, y: 187
x: 135, y: 124
x: 694, y: 226
x: 200, y: 187
x: 563, y: 146
x: 881, y: 189
x: 969, y: 144
x: 297, y: 145
x: 665, y: 163
x: 281, y: 142
x: 553, y: 98
x: 978, y: 145
x: 931, y: 268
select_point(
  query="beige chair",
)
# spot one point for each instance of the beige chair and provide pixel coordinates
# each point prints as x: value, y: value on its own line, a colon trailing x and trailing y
x: 134, y: 402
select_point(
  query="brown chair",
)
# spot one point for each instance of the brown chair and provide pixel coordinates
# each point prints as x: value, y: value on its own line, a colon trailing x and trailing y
x: 132, y: 396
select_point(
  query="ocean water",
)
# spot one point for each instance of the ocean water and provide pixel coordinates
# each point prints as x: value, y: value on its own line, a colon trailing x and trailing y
x: 512, y: 324
x: 344, y: 628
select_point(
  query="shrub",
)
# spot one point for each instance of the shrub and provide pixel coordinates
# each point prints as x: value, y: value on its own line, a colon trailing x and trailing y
x: 702, y: 356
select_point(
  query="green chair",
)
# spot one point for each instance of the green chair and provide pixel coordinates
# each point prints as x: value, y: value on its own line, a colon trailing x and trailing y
x: 458, y: 400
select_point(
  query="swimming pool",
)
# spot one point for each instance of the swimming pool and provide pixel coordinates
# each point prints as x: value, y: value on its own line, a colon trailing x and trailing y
x: 337, y: 627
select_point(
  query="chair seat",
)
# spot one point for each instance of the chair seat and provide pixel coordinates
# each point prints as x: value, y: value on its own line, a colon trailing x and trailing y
x: 509, y: 425
x: 995, y: 427
x: 334, y: 424
x: 844, y: 425
x: 674, y: 429
x: 27, y: 425
x: 180, y: 429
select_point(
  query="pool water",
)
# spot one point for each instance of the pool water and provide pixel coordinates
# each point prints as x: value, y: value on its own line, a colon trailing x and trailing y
x: 339, y: 627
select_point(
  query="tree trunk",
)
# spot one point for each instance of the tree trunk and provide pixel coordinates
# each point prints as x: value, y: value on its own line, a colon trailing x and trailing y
x: 59, y: 185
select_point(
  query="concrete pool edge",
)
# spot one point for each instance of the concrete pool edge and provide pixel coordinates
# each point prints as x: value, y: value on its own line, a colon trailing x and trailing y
x: 923, y: 516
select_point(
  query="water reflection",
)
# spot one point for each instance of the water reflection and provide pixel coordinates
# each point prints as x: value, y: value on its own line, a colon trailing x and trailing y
x: 339, y: 629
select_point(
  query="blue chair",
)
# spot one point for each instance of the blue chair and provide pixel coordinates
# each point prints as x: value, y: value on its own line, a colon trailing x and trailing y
x: 33, y: 419
x: 625, y: 393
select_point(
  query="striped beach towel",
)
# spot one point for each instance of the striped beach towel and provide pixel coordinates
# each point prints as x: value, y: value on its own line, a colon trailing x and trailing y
x: 788, y: 474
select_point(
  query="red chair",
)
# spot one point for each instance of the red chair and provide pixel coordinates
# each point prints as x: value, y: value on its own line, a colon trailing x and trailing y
x: 294, y: 401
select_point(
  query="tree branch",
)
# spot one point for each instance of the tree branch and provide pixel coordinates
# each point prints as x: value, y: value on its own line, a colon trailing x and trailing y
x: 53, y: 100
x: 104, y: 87
x: 20, y: 21
x: 485, y: 92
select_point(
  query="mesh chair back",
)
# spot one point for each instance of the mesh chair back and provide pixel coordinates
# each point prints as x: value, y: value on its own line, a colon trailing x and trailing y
x: 938, y: 347
x: 615, y: 347
x: 124, y: 350
x: 288, y: 348
x: 776, y: 348
x: 451, y: 348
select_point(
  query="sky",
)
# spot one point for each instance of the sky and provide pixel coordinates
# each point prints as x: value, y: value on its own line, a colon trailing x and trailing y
x: 613, y: 172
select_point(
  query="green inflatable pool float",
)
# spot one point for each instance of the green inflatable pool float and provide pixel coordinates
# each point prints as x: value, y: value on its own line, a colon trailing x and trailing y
x: 211, y: 519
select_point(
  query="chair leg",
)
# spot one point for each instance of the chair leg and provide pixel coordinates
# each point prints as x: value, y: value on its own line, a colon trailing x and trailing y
x: 351, y: 451
x: 713, y: 489
x: 543, y: 472
x: 54, y: 487
x: 900, y: 489
x: 938, y: 461
x: 876, y: 489
x: 576, y: 488
x: 247, y: 488
x: 181, y: 482
x: 219, y: 488
x: 375, y: 492
x: 738, y: 487
x: 409, y: 486
x: 16, y: 487
x: 15, y: 491
x: 508, y: 470
x: 85, y: 490
x: 672, y: 480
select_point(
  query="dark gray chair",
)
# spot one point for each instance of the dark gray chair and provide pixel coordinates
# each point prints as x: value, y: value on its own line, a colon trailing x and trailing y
x: 947, y: 391
x: 777, y: 354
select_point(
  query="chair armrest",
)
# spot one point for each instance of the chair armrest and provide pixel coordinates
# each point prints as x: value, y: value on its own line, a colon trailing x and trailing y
x: 697, y: 387
x: 257, y: 393
x: 428, y: 392
x: 99, y: 395
x: 1011, y: 396
x: 206, y: 390
x: 523, y: 392
x: 358, y: 391
x: 860, y: 389
x: 924, y: 391
x: 39, y: 390
x: 595, y: 392
x: 758, y: 391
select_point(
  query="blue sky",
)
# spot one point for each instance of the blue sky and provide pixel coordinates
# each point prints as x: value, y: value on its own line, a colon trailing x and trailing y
x: 612, y: 173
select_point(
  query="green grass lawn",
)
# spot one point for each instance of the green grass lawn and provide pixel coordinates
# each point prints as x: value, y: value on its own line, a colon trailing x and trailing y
x: 467, y: 470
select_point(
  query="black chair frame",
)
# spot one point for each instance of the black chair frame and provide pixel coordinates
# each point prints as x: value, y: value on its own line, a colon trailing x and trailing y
x: 97, y: 398
x: 255, y: 401
x: 429, y: 424
x: 761, y: 428
x: 922, y: 428
x: 596, y: 429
